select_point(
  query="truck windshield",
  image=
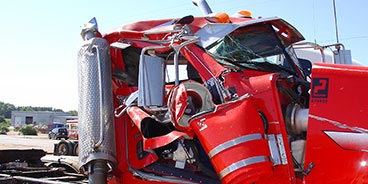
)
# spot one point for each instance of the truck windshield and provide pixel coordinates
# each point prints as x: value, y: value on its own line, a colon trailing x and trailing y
x: 256, y: 47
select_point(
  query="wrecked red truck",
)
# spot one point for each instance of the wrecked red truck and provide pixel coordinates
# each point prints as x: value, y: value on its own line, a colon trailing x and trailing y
x: 217, y: 99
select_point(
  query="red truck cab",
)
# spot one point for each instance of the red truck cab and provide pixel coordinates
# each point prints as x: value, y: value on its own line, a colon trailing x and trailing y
x: 72, y: 127
x: 246, y: 110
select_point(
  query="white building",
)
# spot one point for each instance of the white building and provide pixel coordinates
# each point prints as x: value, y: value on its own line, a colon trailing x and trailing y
x: 20, y: 118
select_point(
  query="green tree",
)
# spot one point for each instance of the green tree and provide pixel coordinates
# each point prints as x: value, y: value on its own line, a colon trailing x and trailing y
x: 42, y: 108
x: 25, y: 108
x: 4, y: 125
x: 73, y: 112
x: 28, y: 130
x: 57, y: 110
x: 2, y: 119
x: 6, y: 109
x: 31, y: 108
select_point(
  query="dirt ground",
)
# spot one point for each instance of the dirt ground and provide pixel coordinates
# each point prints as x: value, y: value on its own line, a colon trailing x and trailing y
x: 15, y: 141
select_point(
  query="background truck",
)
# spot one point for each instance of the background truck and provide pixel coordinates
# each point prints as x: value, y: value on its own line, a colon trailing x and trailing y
x: 72, y: 127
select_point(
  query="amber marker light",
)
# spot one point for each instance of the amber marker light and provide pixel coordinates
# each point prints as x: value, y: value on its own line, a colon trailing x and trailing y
x: 218, y: 18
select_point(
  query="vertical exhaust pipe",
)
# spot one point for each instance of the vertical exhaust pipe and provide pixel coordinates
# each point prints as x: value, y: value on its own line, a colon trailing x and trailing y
x: 96, y: 126
x: 203, y: 5
x: 97, y: 172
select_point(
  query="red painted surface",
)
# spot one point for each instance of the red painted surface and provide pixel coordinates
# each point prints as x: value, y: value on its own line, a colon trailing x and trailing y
x: 337, y: 104
x: 226, y: 124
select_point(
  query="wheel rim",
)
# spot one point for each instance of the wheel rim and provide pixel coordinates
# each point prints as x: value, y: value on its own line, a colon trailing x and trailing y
x: 62, y: 150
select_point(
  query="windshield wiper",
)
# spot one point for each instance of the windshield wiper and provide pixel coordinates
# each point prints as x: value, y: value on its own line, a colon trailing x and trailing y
x: 269, y: 66
x: 231, y: 61
x: 265, y: 66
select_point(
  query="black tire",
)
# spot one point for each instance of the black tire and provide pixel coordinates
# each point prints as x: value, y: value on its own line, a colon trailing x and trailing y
x: 76, y: 149
x: 64, y: 148
x: 66, y: 138
x: 49, y: 136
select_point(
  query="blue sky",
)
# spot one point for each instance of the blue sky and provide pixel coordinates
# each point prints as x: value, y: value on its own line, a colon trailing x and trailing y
x: 40, y: 38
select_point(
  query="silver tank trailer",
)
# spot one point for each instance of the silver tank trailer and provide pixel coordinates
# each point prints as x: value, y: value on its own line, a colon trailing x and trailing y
x: 96, y: 123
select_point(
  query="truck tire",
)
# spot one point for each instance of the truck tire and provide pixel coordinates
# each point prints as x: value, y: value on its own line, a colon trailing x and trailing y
x: 75, y: 149
x: 64, y: 148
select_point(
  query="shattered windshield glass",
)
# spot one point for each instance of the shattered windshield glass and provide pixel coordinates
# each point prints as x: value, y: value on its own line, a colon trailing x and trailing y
x: 255, y: 47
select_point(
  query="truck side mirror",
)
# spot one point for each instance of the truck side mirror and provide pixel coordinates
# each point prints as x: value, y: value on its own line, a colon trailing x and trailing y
x: 151, y: 81
x: 306, y: 66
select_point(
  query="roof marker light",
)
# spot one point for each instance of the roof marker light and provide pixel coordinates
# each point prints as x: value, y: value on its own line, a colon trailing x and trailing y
x: 218, y: 18
x: 243, y: 14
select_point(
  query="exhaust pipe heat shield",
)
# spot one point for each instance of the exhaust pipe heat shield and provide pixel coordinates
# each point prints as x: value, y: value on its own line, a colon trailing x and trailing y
x: 96, y: 129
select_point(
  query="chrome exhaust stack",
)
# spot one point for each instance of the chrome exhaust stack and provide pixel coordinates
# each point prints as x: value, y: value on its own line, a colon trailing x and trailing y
x: 96, y: 122
x: 203, y: 5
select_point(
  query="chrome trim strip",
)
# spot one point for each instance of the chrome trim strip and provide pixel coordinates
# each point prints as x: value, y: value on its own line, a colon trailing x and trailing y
x: 280, y: 143
x: 274, y: 123
x: 272, y: 144
x: 242, y: 163
x: 232, y: 143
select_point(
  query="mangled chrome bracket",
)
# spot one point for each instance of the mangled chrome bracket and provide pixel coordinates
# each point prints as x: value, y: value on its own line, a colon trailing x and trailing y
x: 277, y: 148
